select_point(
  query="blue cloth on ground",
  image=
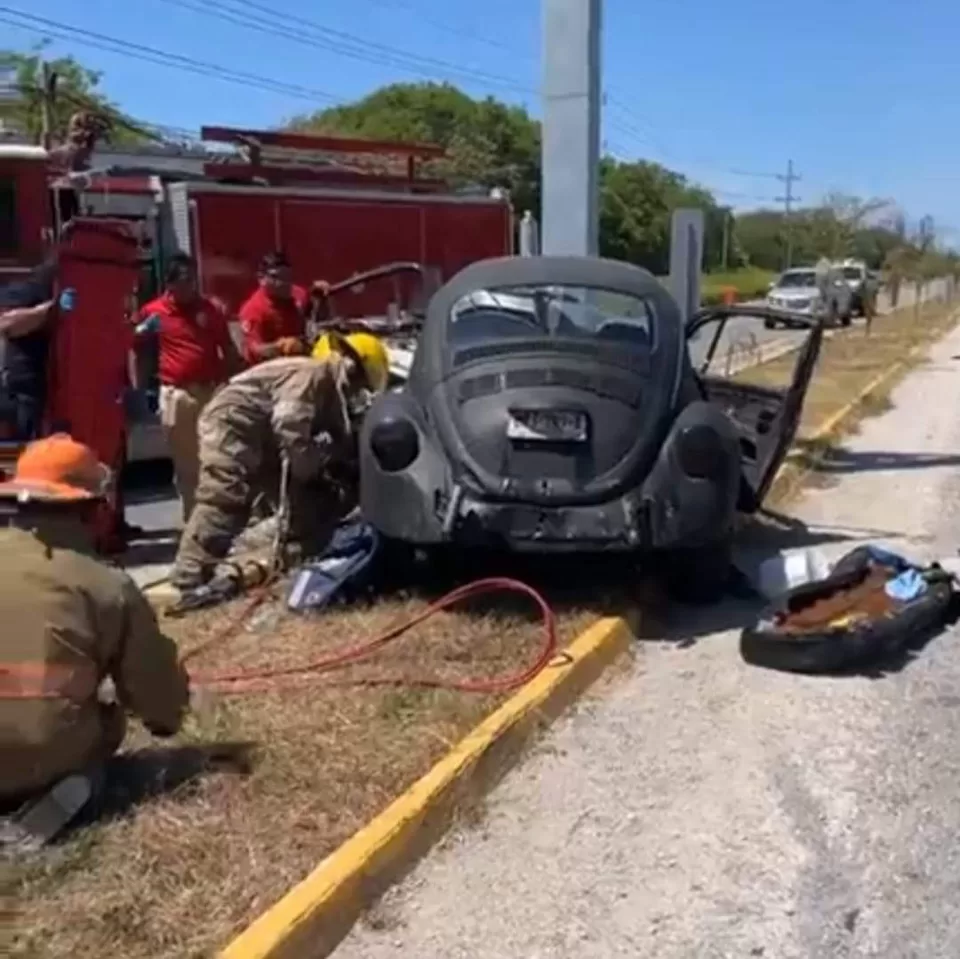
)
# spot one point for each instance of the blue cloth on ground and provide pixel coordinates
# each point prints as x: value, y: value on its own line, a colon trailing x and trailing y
x: 907, y: 586
x: 342, y: 565
x: 887, y: 558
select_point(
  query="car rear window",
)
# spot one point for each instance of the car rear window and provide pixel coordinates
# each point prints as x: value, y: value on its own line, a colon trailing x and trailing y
x: 554, y: 312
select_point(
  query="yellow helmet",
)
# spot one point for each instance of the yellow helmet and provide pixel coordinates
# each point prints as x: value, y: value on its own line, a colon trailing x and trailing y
x: 364, y: 347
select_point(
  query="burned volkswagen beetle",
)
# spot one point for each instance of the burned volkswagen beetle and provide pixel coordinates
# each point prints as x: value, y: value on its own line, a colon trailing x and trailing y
x: 553, y: 405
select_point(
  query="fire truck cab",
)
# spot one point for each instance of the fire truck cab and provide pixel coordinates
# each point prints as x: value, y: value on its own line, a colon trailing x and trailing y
x: 25, y: 209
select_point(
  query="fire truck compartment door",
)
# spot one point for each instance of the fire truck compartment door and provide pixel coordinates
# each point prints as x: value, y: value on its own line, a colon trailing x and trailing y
x: 88, y: 363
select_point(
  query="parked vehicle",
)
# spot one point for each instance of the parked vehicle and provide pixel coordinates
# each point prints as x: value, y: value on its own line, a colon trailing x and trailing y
x: 801, y: 291
x: 552, y: 406
x: 856, y: 275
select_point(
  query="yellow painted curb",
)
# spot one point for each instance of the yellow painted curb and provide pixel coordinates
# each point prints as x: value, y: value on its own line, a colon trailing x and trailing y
x: 311, y: 919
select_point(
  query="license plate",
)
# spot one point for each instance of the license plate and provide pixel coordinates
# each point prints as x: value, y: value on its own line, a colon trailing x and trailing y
x: 547, y: 426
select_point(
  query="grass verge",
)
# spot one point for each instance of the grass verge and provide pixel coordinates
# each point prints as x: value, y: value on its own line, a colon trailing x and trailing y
x: 750, y: 284
x: 202, y: 834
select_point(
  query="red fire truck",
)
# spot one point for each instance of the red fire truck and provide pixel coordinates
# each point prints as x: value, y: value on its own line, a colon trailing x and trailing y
x: 335, y: 206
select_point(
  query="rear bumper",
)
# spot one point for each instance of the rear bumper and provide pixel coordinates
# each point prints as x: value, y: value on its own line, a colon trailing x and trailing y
x: 634, y: 523
x: 666, y: 508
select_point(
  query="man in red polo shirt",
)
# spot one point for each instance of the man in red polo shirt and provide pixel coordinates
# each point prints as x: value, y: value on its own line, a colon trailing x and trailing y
x: 196, y: 355
x: 274, y: 318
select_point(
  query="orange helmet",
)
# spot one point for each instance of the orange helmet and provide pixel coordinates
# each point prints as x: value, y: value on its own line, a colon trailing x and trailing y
x: 57, y: 469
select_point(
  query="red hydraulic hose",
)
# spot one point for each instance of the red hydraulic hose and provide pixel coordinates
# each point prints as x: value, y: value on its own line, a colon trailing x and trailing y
x: 264, y: 679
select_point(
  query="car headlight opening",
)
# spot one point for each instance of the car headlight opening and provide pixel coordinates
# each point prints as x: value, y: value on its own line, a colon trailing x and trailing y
x: 395, y: 444
x: 700, y: 452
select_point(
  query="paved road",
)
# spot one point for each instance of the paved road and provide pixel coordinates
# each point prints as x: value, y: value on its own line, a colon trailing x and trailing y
x: 704, y: 808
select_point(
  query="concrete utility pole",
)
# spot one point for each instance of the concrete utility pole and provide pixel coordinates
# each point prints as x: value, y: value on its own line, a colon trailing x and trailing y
x: 571, y: 126
x: 529, y: 235
x: 788, y: 199
x: 686, y: 259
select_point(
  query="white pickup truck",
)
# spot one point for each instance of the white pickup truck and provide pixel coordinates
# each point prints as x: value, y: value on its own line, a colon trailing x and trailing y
x: 804, y: 290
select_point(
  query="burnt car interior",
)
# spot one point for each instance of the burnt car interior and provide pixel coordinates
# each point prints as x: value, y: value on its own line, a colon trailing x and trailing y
x: 559, y: 312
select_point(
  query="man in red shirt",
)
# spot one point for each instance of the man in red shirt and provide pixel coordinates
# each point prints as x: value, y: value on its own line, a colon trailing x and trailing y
x: 196, y: 355
x: 274, y: 318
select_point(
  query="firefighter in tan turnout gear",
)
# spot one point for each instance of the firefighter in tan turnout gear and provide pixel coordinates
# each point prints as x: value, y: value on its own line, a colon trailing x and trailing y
x: 69, y: 621
x: 295, y: 412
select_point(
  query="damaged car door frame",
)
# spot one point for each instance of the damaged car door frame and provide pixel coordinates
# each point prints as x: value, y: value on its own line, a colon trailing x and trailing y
x: 766, y: 439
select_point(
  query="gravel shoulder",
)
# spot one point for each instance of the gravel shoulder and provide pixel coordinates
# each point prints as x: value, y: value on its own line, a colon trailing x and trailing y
x: 706, y: 808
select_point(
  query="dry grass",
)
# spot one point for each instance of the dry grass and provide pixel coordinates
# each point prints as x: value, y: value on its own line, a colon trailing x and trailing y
x: 849, y: 361
x: 260, y: 788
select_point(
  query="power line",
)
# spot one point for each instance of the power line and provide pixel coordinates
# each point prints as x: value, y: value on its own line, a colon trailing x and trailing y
x: 137, y: 51
x: 159, y: 133
x: 454, y: 30
x: 632, y: 129
x: 265, y: 19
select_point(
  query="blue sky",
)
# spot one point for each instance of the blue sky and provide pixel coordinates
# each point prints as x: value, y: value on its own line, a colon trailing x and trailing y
x: 863, y: 96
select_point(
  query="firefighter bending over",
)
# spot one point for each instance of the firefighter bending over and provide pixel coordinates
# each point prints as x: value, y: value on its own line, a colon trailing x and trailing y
x: 300, y: 410
x: 69, y: 622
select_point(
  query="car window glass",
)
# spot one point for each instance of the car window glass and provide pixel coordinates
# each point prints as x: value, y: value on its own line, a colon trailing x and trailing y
x: 553, y: 311
x: 852, y: 273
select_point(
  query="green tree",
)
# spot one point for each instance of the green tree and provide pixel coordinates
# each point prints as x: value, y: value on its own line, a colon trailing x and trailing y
x: 636, y: 203
x: 843, y: 226
x: 76, y: 90
x: 488, y: 143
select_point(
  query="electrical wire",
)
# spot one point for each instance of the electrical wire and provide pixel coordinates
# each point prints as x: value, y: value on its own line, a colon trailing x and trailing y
x: 467, y: 34
x: 632, y: 124
x: 269, y: 20
x: 153, y: 55
x: 321, y: 37
x: 106, y: 112
x: 368, y: 51
x: 267, y: 679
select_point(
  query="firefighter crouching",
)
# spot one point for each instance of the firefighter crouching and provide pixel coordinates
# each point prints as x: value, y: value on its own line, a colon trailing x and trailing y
x: 70, y: 621
x: 298, y: 411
